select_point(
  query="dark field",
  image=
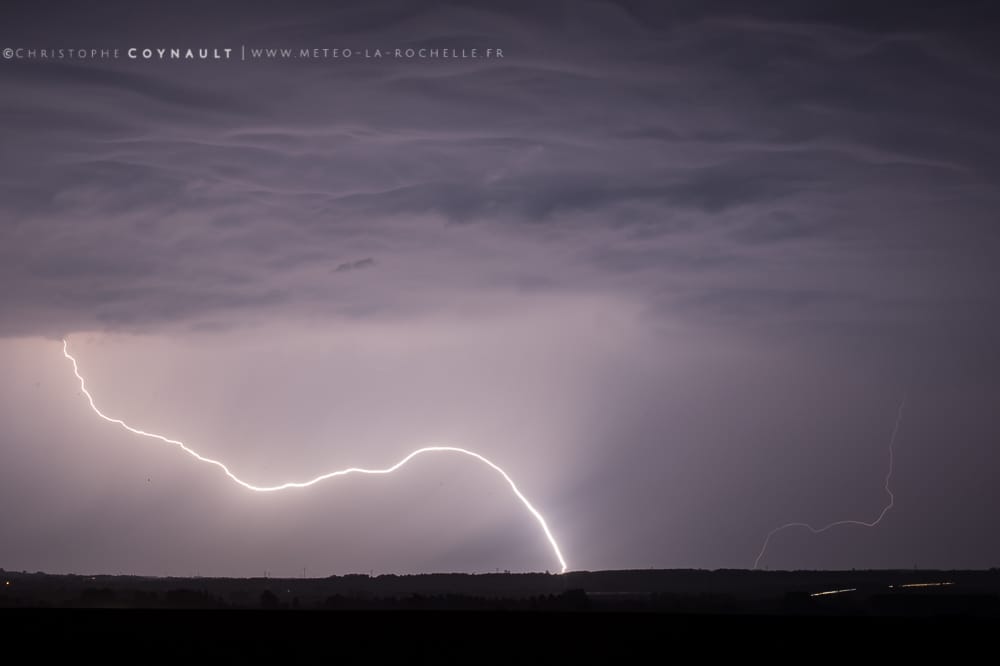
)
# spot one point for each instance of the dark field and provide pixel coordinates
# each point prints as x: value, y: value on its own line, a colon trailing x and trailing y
x: 501, y: 618
x: 849, y: 593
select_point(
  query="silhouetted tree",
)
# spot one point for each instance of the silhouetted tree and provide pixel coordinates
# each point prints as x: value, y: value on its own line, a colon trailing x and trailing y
x: 268, y: 599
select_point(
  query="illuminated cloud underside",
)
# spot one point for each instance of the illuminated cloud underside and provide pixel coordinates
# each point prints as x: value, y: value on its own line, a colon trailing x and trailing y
x: 329, y: 475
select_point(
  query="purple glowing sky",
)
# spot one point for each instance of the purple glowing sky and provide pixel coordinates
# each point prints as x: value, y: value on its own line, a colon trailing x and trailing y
x: 672, y: 265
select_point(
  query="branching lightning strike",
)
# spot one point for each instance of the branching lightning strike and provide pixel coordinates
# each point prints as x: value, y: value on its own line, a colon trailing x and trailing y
x: 860, y: 523
x: 329, y: 475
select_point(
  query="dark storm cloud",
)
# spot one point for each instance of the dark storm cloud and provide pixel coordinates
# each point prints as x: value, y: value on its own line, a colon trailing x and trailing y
x: 156, y: 90
x: 736, y: 302
x: 709, y: 134
x: 354, y: 265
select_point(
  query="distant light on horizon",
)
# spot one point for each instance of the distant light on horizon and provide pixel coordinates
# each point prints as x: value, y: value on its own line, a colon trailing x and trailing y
x: 828, y: 592
x: 908, y: 585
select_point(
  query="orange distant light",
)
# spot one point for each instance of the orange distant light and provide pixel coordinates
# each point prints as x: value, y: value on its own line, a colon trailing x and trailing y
x: 823, y: 594
x: 924, y: 584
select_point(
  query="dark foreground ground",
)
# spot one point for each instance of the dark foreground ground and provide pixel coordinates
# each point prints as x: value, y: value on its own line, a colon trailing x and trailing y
x: 610, y: 616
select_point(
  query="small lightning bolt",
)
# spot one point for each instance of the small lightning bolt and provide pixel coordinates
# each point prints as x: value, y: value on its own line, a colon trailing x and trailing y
x: 329, y: 475
x: 861, y: 523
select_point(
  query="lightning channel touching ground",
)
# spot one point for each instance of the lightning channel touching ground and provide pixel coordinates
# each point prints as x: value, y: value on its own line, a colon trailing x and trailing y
x: 329, y: 475
x: 860, y: 523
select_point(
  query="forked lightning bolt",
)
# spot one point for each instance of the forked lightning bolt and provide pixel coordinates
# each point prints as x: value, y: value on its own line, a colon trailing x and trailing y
x: 861, y: 523
x: 329, y: 475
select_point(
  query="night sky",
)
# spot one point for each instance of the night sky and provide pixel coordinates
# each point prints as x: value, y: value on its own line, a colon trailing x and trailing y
x: 672, y: 265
